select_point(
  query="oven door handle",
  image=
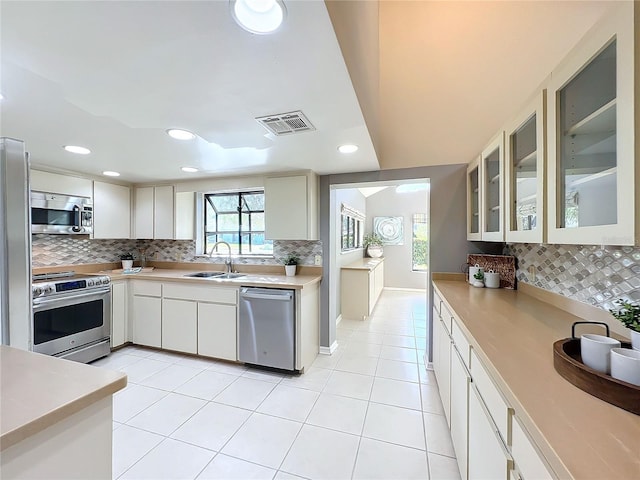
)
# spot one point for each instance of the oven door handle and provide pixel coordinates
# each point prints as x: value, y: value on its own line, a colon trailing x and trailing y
x: 38, y: 303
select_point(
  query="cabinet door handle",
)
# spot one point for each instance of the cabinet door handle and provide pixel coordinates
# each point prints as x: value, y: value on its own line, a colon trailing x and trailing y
x: 494, y: 427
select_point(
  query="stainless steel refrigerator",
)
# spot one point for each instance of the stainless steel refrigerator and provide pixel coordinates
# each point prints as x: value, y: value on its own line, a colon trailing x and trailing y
x: 15, y: 245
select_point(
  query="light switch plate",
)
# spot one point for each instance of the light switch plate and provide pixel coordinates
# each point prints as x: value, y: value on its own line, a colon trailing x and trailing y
x: 318, y: 260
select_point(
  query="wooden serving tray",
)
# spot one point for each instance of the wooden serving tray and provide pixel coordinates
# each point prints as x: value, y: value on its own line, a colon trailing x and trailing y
x: 568, y: 363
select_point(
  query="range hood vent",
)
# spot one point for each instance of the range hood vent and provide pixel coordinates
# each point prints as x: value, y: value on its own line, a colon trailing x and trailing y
x: 286, y: 123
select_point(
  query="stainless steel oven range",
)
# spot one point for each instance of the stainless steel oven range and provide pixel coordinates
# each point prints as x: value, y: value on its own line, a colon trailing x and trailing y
x: 72, y: 316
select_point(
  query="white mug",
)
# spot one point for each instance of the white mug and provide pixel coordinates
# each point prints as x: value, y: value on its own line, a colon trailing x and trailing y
x: 492, y: 279
x: 596, y: 351
x: 625, y: 365
x: 472, y: 271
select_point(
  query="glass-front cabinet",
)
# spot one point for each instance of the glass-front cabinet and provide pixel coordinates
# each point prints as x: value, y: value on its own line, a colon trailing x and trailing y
x: 473, y: 200
x: 592, y: 152
x: 492, y: 190
x: 525, y: 169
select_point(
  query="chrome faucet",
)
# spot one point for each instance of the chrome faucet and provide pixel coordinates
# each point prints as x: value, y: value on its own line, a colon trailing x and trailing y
x: 228, y: 260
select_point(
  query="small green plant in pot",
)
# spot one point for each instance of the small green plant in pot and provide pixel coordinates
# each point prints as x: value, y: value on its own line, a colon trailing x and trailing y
x: 290, y: 263
x: 127, y: 260
x: 479, y: 279
x: 629, y: 314
x: 373, y: 243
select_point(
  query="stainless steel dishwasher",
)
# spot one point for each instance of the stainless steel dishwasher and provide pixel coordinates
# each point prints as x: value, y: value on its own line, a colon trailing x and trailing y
x: 266, y: 327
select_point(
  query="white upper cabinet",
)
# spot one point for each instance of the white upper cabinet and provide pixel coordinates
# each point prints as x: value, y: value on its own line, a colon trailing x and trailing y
x: 185, y: 215
x: 163, y: 212
x: 291, y: 207
x: 143, y: 213
x: 592, y: 130
x: 154, y: 212
x: 111, y: 211
x: 525, y: 159
x: 492, y: 190
x: 473, y: 201
x: 64, y: 184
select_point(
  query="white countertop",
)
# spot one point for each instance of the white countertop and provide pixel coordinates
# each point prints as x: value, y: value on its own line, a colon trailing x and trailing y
x: 249, y: 280
x: 364, y: 264
x: 38, y: 390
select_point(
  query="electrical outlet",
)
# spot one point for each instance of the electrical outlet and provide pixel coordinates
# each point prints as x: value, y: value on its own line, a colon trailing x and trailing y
x: 318, y: 260
x: 532, y: 273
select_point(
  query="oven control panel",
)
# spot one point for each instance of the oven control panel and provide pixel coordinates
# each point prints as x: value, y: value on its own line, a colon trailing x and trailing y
x: 43, y: 289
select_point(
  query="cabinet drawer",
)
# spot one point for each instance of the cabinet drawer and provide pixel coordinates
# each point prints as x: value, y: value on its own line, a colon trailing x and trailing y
x: 498, y: 408
x: 461, y: 342
x: 525, y: 455
x: 200, y: 293
x: 446, y: 316
x: 150, y: 289
x: 436, y: 302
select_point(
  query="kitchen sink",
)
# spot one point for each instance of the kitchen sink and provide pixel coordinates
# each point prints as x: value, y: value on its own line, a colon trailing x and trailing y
x: 205, y: 274
x: 231, y: 275
x: 220, y: 275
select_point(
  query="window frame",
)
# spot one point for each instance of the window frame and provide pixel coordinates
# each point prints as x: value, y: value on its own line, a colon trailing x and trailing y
x: 414, y: 221
x: 205, y: 202
x: 354, y: 233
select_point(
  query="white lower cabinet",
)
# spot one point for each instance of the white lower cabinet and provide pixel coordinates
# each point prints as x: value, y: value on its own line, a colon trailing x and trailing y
x: 488, y: 457
x: 217, y: 331
x: 180, y: 325
x: 460, y: 384
x: 442, y: 360
x: 185, y: 318
x: 489, y: 440
x: 147, y: 320
x: 119, y: 314
x: 360, y: 289
x: 527, y: 460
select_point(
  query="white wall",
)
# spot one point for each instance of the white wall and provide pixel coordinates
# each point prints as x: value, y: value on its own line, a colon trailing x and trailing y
x: 354, y: 199
x: 397, y: 265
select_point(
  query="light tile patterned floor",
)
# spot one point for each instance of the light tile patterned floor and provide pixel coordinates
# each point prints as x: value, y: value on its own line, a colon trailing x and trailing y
x: 370, y: 410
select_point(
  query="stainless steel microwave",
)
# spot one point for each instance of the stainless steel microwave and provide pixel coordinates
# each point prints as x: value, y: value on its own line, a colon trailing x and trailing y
x: 61, y: 214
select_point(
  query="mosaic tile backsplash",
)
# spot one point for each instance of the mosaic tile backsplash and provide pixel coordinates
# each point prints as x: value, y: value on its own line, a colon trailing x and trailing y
x: 54, y: 250
x: 592, y: 274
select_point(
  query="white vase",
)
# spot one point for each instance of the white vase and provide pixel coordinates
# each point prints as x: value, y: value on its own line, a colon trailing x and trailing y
x: 635, y: 340
x: 290, y: 270
x: 127, y: 264
x: 374, y: 251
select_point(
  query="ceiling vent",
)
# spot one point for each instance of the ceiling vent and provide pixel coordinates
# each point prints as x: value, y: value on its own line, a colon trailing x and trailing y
x: 286, y: 123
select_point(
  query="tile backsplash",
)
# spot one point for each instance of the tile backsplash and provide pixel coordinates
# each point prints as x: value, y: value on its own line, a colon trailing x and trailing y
x: 592, y: 274
x: 54, y: 250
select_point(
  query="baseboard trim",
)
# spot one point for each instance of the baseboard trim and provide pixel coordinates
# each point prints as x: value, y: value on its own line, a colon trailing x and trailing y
x: 427, y: 364
x: 329, y: 350
x: 422, y: 290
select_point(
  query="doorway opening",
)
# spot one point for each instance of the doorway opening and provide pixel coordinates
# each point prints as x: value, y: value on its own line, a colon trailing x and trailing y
x: 398, y: 213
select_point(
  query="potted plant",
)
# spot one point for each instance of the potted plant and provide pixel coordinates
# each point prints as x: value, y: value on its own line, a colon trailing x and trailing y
x: 290, y: 264
x: 373, y: 243
x: 127, y: 261
x: 479, y: 279
x: 629, y: 314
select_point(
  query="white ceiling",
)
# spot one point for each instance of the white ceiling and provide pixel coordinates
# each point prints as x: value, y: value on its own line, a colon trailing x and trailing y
x: 113, y: 76
x: 435, y: 79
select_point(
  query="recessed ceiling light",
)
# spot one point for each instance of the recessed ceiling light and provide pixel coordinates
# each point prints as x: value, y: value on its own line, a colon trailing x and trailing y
x: 189, y: 169
x: 347, y: 148
x: 77, y: 149
x: 180, y: 134
x: 109, y: 173
x: 1, y: 97
x: 258, y: 16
